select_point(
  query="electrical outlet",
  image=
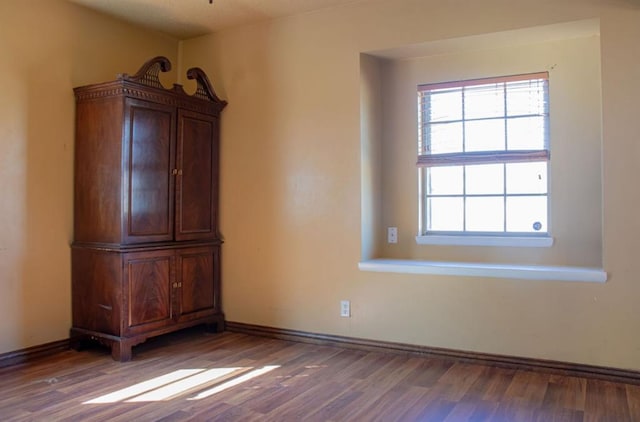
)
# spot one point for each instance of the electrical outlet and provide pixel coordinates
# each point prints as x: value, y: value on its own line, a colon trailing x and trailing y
x: 345, y: 308
x: 392, y: 234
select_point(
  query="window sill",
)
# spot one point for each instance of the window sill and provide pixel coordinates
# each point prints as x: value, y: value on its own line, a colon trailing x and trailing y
x: 517, y: 241
x: 469, y: 269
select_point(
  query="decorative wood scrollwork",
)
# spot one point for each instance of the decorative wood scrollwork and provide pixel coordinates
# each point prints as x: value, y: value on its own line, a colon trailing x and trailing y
x: 148, y: 73
x: 205, y: 90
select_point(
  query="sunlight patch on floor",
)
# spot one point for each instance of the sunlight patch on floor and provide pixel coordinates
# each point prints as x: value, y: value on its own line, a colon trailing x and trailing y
x: 235, y: 381
x: 143, y: 387
x: 181, y: 382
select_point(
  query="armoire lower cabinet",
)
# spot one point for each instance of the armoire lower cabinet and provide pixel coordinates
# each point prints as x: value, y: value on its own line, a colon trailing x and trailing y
x: 146, y: 250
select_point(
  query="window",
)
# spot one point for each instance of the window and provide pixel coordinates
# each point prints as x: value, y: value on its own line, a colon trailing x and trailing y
x: 483, y: 151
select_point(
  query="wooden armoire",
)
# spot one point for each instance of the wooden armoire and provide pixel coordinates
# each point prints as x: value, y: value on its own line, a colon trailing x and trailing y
x: 146, y: 249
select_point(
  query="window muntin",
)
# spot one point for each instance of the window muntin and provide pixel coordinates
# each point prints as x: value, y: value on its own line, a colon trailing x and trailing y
x: 483, y: 152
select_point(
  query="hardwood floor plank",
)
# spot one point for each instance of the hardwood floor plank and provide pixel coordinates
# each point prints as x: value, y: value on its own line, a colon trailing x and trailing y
x: 559, y: 415
x: 456, y: 382
x: 491, y: 385
x: 434, y: 410
x: 514, y: 410
x: 238, y: 377
x: 461, y: 412
x: 565, y: 392
x: 429, y: 372
x: 483, y: 411
x: 406, y: 397
x: 335, y: 405
x: 307, y: 403
x: 528, y: 386
x: 633, y: 401
x: 606, y: 401
x: 177, y: 416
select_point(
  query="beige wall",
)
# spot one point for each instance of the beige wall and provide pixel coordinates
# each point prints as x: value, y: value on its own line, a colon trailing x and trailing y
x: 294, y: 155
x: 47, y: 47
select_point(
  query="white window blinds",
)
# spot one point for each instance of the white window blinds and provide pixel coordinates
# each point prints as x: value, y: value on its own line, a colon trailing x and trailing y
x: 482, y: 121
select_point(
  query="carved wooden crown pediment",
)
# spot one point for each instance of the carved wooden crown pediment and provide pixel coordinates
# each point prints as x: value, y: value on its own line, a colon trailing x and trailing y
x: 148, y: 74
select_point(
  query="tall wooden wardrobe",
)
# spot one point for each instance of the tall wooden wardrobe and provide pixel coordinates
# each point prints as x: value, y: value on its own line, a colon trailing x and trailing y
x: 146, y: 249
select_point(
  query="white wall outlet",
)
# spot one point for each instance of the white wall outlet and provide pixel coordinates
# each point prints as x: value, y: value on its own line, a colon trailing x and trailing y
x: 345, y: 308
x: 392, y: 234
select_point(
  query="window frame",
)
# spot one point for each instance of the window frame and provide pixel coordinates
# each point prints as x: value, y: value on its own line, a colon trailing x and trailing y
x: 426, y: 159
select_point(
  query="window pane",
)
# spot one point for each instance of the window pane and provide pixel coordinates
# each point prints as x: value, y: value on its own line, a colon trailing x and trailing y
x: 444, y: 138
x: 527, y: 214
x: 485, y: 179
x: 484, y: 135
x: 478, y: 116
x: 526, y: 97
x: 444, y: 180
x: 527, y: 178
x: 526, y: 133
x: 445, y: 105
x: 445, y: 214
x: 484, y: 101
x: 485, y: 214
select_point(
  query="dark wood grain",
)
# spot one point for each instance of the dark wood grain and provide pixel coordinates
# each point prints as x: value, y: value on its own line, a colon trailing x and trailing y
x: 196, y: 270
x: 148, y: 286
x: 98, y: 168
x: 305, y: 382
x: 633, y: 399
x: 197, y: 182
x: 96, y: 294
x: 606, y: 401
x: 148, y: 163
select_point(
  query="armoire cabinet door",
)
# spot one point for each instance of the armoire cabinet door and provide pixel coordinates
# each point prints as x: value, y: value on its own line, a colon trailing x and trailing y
x: 149, y: 289
x: 196, y: 192
x: 196, y: 270
x: 149, y: 161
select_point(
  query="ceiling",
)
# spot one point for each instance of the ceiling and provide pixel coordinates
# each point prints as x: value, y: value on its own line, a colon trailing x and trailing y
x: 184, y: 19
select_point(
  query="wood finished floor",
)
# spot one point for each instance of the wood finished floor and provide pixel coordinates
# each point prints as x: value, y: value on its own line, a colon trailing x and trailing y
x: 191, y: 376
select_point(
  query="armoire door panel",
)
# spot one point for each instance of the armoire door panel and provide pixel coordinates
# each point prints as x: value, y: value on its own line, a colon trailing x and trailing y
x: 196, y: 272
x: 149, y: 292
x: 151, y: 160
x: 196, y: 191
